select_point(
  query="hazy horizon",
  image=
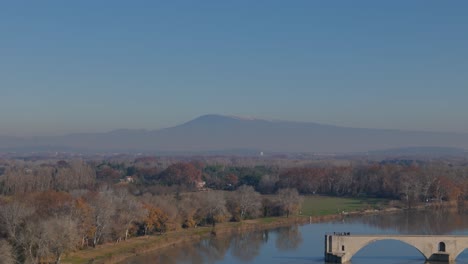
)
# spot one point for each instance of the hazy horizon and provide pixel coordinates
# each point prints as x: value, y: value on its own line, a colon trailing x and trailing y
x: 250, y: 118
x: 85, y: 67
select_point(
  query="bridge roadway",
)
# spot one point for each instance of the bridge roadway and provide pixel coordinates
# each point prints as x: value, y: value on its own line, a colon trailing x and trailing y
x: 341, y: 247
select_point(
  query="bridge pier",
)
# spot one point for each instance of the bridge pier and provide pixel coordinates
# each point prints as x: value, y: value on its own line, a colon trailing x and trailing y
x: 335, y: 258
x: 341, y: 247
x: 441, y: 257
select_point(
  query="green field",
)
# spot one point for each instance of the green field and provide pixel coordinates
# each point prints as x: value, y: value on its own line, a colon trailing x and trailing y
x: 323, y: 205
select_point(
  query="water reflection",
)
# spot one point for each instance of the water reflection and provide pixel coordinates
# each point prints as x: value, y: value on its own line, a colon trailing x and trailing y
x: 304, y: 244
x: 247, y: 246
x: 214, y: 249
x: 288, y: 238
x: 443, y: 221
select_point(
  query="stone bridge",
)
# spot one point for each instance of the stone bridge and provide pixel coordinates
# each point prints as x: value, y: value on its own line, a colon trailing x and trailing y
x: 341, y: 247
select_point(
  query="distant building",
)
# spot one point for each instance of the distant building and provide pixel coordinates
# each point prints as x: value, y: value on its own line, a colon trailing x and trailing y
x: 129, y: 179
x: 200, y: 185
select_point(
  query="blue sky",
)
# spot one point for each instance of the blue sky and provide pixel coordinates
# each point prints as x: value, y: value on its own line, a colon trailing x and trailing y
x: 88, y: 66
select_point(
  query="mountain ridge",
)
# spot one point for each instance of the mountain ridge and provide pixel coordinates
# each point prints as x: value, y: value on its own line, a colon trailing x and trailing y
x: 214, y: 132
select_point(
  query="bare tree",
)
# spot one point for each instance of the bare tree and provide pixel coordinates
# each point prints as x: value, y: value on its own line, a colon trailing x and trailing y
x: 128, y: 211
x: 59, y: 235
x: 290, y: 200
x: 12, y: 216
x: 6, y: 253
x: 103, y: 209
x: 187, y: 208
x: 213, y: 207
x: 410, y: 187
x: 73, y: 175
x: 248, y: 200
x: 29, y: 242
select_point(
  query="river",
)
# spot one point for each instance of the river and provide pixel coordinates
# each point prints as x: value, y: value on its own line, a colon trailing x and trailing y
x: 304, y: 244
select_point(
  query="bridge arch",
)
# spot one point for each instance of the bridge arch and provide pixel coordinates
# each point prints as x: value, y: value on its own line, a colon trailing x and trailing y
x: 443, y: 248
x: 458, y: 253
x: 359, y: 246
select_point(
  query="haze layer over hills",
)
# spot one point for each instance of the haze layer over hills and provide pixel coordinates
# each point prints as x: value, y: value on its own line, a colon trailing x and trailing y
x: 227, y: 133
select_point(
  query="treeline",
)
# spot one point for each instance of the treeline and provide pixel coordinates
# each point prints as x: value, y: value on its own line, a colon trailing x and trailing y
x: 40, y: 227
x: 17, y: 177
x: 412, y: 183
x: 409, y: 181
x: 51, y: 207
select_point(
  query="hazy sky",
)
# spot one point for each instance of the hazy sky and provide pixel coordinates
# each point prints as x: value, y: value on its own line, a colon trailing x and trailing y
x: 87, y: 66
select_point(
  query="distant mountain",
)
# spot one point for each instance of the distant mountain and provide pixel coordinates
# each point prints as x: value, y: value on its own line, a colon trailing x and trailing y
x: 217, y: 133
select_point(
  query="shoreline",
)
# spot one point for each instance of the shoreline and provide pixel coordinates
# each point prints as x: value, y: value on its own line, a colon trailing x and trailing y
x: 111, y: 253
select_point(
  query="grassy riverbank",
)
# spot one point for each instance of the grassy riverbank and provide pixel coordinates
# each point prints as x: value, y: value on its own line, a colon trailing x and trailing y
x: 315, y: 208
x: 324, y: 205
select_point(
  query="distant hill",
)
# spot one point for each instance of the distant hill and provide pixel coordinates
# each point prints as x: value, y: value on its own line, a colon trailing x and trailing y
x: 217, y: 133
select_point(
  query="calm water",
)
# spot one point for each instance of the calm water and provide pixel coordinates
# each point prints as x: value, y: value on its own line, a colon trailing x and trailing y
x: 304, y: 244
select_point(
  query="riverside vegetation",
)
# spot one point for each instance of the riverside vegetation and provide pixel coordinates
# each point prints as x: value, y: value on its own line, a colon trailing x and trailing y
x: 314, y: 208
x: 50, y: 208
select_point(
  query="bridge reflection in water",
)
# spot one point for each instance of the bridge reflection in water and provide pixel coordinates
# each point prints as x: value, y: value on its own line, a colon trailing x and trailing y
x: 341, y: 247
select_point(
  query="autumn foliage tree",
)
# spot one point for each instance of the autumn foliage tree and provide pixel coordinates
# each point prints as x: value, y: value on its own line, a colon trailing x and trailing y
x: 155, y: 220
x: 181, y: 174
x: 82, y: 212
